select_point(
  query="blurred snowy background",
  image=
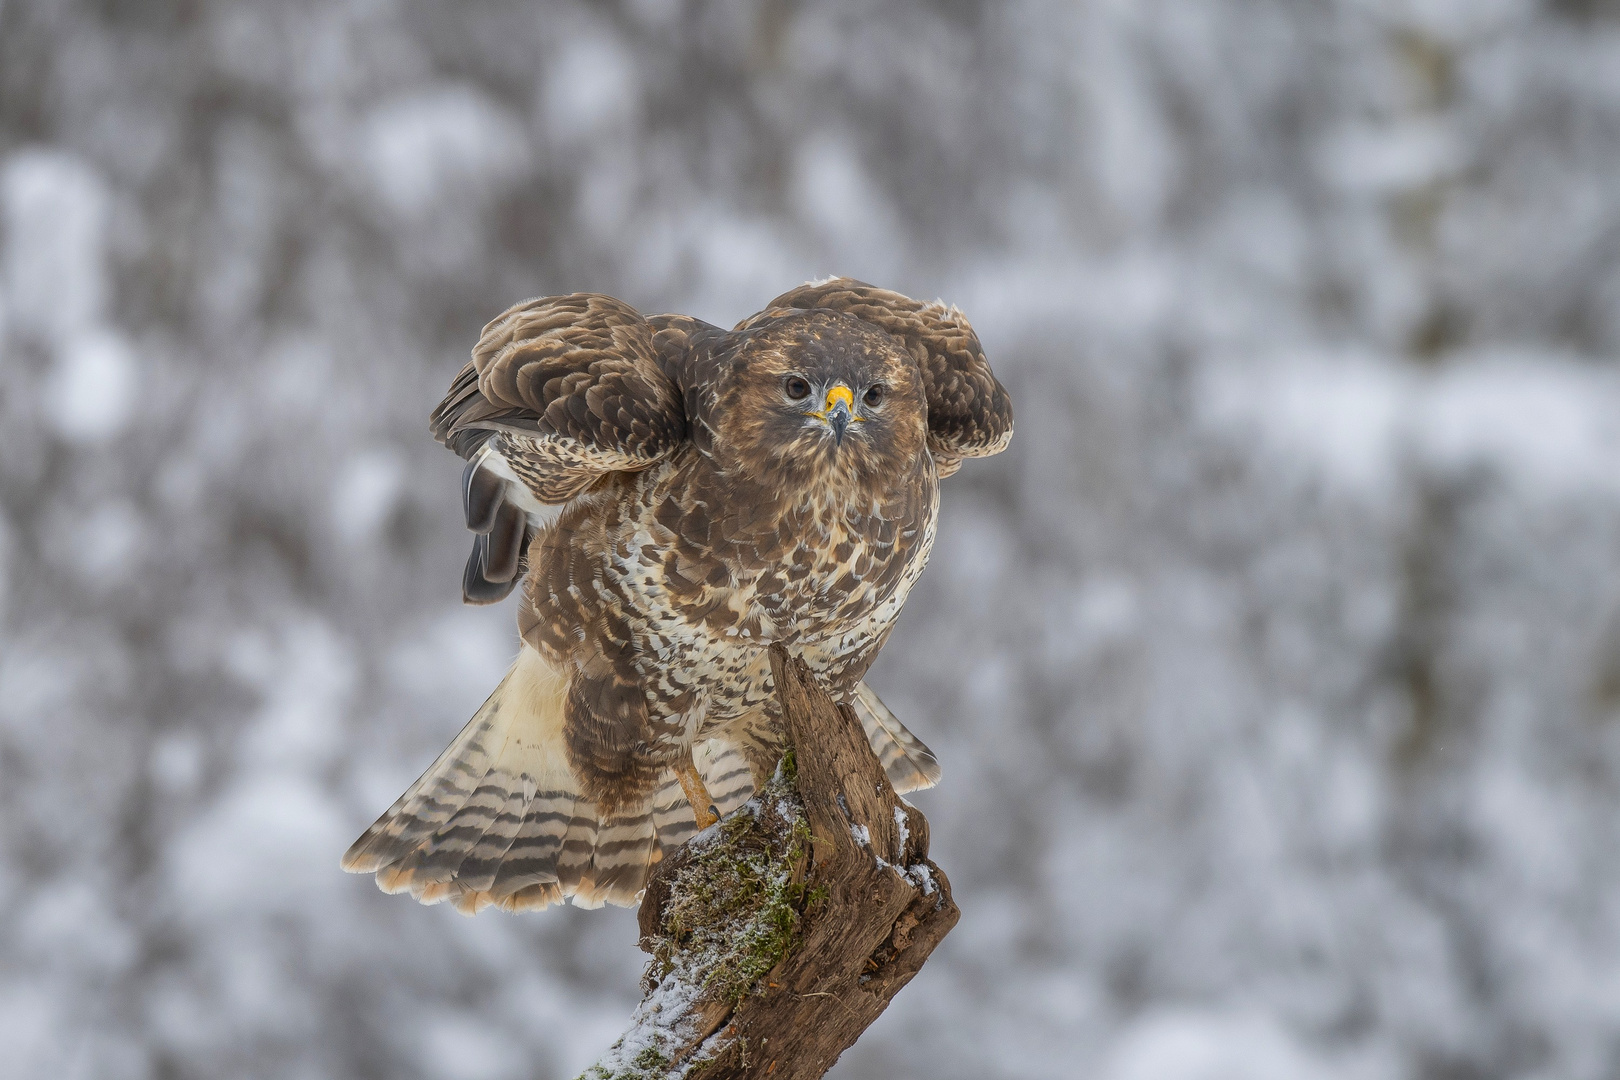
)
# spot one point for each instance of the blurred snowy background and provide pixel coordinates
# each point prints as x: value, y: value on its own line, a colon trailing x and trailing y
x: 1275, y: 669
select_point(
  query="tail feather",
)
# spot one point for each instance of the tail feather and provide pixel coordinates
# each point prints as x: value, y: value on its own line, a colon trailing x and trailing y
x: 477, y: 870
x: 537, y: 841
x: 726, y: 772
x: 672, y: 816
x: 429, y: 803
x: 498, y: 819
x: 908, y: 762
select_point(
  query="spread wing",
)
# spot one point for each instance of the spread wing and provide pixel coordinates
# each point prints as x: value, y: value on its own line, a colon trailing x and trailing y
x: 559, y: 391
x: 969, y: 412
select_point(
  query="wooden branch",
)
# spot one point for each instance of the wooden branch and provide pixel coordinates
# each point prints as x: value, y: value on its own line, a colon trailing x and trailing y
x: 781, y: 933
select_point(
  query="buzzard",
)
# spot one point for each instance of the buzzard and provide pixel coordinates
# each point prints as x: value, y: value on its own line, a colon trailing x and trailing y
x: 674, y: 498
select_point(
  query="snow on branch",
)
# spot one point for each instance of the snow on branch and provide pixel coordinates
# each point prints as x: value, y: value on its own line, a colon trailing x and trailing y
x: 779, y: 934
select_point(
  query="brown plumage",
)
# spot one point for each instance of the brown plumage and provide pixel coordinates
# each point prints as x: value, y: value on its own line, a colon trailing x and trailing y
x: 674, y: 498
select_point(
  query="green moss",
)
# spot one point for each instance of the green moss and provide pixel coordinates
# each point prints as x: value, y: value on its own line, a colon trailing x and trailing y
x: 734, y: 909
x: 650, y: 1064
x: 651, y: 1060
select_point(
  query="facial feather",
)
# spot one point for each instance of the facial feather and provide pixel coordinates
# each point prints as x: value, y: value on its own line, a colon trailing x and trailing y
x: 781, y: 372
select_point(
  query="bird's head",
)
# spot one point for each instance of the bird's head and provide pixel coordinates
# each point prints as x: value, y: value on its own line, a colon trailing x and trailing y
x: 820, y: 399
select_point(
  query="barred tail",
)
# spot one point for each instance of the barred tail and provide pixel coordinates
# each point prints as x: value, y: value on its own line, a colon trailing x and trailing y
x: 498, y: 819
x: 909, y: 763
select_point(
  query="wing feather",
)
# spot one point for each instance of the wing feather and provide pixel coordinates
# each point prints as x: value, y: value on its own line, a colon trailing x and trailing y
x: 579, y: 372
x: 559, y: 391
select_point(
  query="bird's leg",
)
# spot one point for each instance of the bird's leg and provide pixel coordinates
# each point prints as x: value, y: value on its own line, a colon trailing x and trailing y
x: 703, y: 808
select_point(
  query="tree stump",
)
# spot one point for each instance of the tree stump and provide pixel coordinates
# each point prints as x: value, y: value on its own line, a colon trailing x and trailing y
x: 779, y: 934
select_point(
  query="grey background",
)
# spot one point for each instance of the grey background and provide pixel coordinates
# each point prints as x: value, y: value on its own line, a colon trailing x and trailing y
x: 1275, y: 669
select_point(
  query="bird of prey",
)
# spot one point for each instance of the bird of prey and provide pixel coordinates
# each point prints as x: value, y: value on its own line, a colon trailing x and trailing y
x: 674, y: 498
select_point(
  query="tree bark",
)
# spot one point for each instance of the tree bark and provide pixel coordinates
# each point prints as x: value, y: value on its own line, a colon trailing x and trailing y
x: 841, y: 863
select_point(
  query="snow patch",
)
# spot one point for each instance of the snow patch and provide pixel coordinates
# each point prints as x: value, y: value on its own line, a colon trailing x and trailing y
x: 458, y: 1046
x: 1192, y: 1045
x: 366, y: 492
x: 1543, y: 422
x: 90, y: 394
x: 444, y: 144
x: 271, y: 844
x: 55, y: 207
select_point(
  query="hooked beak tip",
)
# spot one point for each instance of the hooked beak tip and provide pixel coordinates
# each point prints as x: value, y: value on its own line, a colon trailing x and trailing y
x: 838, y: 419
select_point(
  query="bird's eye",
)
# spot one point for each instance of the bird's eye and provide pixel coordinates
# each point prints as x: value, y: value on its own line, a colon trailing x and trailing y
x: 873, y: 395
x: 796, y: 388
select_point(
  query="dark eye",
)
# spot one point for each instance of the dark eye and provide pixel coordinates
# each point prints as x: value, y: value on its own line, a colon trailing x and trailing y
x: 796, y: 388
x: 873, y: 395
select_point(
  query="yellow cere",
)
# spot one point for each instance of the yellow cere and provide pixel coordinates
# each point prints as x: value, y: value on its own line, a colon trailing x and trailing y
x: 840, y: 393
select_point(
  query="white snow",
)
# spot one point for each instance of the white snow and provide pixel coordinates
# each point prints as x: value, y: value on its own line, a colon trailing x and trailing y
x: 365, y: 492
x: 54, y: 207
x: 91, y: 393
x: 433, y: 145
x: 1186, y: 1044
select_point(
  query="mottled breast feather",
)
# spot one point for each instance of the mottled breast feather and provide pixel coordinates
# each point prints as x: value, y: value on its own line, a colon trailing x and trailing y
x: 969, y: 411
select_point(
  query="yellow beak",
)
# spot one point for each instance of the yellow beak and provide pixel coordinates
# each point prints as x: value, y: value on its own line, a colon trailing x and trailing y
x: 839, y: 412
x: 839, y: 395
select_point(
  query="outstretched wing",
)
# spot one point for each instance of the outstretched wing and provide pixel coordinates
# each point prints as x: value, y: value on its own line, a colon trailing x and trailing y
x: 560, y: 390
x: 969, y: 412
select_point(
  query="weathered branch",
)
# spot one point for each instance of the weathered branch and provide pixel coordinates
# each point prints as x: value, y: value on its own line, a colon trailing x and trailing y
x: 781, y: 933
